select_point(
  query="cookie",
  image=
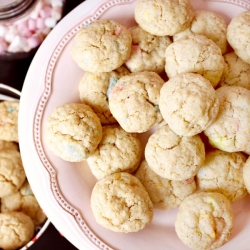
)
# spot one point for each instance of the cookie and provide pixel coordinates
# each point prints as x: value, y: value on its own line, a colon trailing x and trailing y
x: 26, y: 204
x: 246, y: 174
x: 94, y: 90
x: 222, y: 172
x: 230, y: 130
x: 205, y: 220
x: 209, y: 24
x: 118, y: 151
x: 101, y: 46
x: 164, y: 193
x: 8, y: 121
x: 8, y: 145
x: 11, y: 172
x: 174, y: 157
x: 73, y: 131
x: 134, y: 101
x: 238, y: 35
x: 164, y: 18
x: 195, y: 54
x: 188, y: 103
x: 236, y: 72
x: 147, y: 52
x: 16, y: 230
x: 120, y: 203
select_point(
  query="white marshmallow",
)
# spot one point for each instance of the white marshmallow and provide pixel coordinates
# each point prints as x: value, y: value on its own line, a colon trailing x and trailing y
x: 50, y: 22
x: 9, y: 37
x: 19, y: 41
x: 56, y: 14
x: 56, y: 3
x: 3, y: 30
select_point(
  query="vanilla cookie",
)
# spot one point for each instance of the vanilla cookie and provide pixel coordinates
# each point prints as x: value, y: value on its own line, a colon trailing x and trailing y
x: 12, y: 174
x: 134, y: 101
x: 8, y: 121
x: 16, y: 230
x: 188, y: 103
x: 101, y: 46
x: 164, y: 193
x: 174, y: 157
x: 222, y: 172
x: 236, y: 72
x: 195, y: 54
x: 205, y: 220
x: 26, y: 204
x: 8, y: 145
x: 230, y: 131
x: 164, y: 18
x: 118, y: 151
x: 209, y: 24
x: 148, y: 51
x: 120, y: 203
x: 238, y: 35
x: 246, y: 174
x: 73, y: 131
x: 94, y: 90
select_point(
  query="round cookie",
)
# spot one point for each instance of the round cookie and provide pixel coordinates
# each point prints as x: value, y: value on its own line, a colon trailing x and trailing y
x: 12, y: 174
x: 164, y: 193
x: 246, y: 174
x: 238, y: 35
x: 8, y: 120
x: 120, y: 203
x: 188, y: 103
x: 164, y: 18
x: 147, y: 52
x: 230, y: 130
x: 195, y: 54
x: 209, y: 24
x: 174, y: 157
x: 222, y: 172
x: 118, y: 151
x: 73, y: 131
x: 205, y: 220
x: 94, y: 90
x: 101, y: 46
x: 26, y: 204
x: 8, y: 145
x: 236, y: 72
x: 16, y: 230
x: 134, y: 101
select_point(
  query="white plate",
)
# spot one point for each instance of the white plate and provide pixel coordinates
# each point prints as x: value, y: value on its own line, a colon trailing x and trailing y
x: 62, y: 188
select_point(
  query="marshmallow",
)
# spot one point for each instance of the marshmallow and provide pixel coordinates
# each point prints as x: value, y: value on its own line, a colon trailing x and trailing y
x: 45, y: 11
x: 50, y: 22
x: 56, y: 3
x: 3, y: 31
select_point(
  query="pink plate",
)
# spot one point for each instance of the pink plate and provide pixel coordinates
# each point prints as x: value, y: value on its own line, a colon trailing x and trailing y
x: 62, y: 188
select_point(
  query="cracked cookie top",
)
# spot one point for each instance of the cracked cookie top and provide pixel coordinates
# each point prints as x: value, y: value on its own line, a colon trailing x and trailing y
x: 174, y: 157
x: 164, y: 18
x: 134, y: 101
x: 101, y: 46
x: 188, y: 103
x: 205, y: 220
x: 73, y: 131
x: 195, y: 54
x: 230, y: 131
x: 121, y: 203
x: 118, y: 151
x: 222, y: 172
x: 164, y: 193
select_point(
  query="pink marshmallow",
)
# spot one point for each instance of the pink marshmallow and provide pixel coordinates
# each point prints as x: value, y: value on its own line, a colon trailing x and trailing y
x: 22, y: 25
x: 34, y: 41
x: 40, y: 23
x: 45, y: 11
x: 32, y: 24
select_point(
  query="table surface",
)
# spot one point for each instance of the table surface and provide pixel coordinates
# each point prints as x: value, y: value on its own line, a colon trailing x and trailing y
x: 13, y: 74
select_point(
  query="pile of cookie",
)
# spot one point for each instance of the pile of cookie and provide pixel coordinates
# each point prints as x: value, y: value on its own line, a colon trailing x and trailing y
x: 183, y: 76
x: 20, y: 213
